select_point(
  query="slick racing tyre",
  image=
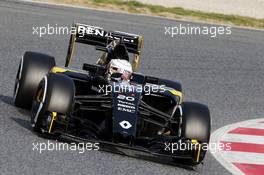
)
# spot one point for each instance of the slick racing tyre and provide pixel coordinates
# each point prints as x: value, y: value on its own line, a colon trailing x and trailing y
x: 54, y: 96
x: 32, y: 68
x: 196, y: 125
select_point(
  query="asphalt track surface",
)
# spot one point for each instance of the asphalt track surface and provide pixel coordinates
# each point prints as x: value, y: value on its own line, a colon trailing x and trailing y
x: 226, y: 73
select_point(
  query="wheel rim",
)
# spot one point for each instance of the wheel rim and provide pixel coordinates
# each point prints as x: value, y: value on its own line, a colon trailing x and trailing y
x: 36, y: 105
x: 38, y: 102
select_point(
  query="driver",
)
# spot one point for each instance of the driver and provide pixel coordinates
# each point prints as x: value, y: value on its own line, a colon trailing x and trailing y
x: 119, y: 69
x: 116, y: 60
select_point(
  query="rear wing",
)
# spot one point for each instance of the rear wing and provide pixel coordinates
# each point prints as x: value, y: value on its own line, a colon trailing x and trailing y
x: 97, y: 36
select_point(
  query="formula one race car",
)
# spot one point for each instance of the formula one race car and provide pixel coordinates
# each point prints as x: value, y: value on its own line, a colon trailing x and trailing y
x: 109, y: 103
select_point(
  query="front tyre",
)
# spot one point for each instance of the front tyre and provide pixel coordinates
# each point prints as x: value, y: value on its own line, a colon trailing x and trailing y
x: 53, y: 97
x: 196, y: 126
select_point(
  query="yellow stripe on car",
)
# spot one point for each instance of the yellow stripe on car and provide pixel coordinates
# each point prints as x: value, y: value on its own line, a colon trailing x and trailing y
x: 177, y: 93
x: 61, y: 70
x: 54, y: 115
x: 198, y: 153
x: 195, y: 142
x: 58, y: 69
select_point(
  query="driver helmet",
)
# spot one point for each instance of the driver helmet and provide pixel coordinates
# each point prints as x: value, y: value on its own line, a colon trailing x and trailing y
x: 119, y: 68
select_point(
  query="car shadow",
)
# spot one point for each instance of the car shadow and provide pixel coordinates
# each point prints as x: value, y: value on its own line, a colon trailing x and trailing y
x: 6, y: 99
x: 23, y: 120
x: 24, y: 123
x: 178, y: 163
x: 175, y: 163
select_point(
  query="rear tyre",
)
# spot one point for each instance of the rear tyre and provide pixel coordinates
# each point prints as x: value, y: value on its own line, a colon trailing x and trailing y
x: 54, y: 94
x: 196, y: 125
x: 32, y: 68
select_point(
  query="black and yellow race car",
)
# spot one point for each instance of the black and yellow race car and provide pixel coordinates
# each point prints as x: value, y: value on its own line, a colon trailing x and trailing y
x: 143, y: 122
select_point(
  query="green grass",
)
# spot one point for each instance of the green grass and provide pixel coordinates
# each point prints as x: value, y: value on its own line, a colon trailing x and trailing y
x: 133, y: 6
x: 176, y: 12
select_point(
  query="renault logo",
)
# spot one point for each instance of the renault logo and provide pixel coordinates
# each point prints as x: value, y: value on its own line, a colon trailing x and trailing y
x: 125, y: 124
